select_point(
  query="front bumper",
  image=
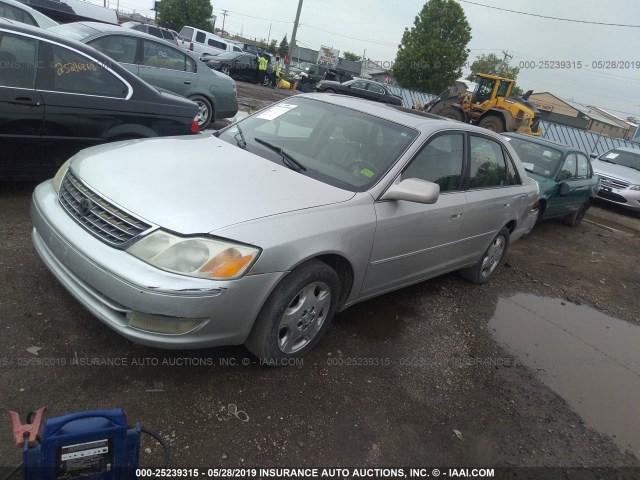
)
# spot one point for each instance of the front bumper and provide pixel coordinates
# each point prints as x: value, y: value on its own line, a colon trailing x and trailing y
x: 625, y: 197
x: 111, y: 284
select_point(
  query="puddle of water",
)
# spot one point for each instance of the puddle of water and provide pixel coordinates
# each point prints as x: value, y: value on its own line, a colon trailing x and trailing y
x: 590, y: 359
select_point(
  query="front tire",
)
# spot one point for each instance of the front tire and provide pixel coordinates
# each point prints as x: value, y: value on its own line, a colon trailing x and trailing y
x: 493, y: 123
x: 329, y: 90
x: 482, y: 271
x: 296, y: 315
x: 206, y: 113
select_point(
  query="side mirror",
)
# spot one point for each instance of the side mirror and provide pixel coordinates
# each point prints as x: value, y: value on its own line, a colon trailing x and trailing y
x: 413, y: 190
x: 564, y: 189
x: 593, y: 155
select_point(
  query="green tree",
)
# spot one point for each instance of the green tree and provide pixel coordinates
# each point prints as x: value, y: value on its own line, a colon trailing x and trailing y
x: 283, y: 49
x: 273, y: 46
x: 492, y: 65
x: 352, y: 56
x: 432, y: 52
x: 175, y: 14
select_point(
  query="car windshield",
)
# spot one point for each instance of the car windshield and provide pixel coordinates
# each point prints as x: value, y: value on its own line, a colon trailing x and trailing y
x: 74, y: 31
x: 339, y: 146
x: 536, y: 157
x: 620, y: 157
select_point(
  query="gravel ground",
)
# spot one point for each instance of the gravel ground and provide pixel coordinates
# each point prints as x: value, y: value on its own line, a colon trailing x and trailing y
x: 385, y: 387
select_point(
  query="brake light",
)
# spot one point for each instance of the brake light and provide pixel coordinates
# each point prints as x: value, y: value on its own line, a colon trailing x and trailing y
x: 191, y: 46
x: 195, y: 128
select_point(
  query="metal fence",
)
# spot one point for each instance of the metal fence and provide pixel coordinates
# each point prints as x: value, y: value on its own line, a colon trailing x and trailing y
x: 410, y: 97
x: 588, y: 141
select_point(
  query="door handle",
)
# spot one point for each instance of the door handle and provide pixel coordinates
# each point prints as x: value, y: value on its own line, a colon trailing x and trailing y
x: 187, y: 83
x: 506, y: 204
x: 26, y: 101
x: 456, y: 215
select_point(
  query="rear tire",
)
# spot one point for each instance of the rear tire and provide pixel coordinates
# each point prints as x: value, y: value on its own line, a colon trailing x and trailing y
x: 452, y: 113
x: 493, y: 123
x: 206, y: 114
x: 575, y: 218
x: 482, y: 271
x: 329, y: 90
x: 296, y: 315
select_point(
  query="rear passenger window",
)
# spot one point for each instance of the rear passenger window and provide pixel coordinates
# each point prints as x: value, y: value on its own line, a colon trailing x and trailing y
x: 487, y: 165
x: 167, y: 34
x: 440, y: 161
x: 18, y: 60
x: 200, y: 37
x: 75, y: 73
x: 120, y: 48
x: 216, y: 44
x: 163, y: 56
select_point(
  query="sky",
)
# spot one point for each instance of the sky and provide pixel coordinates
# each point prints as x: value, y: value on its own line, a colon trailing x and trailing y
x: 375, y: 27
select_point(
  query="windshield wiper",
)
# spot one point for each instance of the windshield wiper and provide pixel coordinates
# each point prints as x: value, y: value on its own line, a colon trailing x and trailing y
x: 244, y: 142
x: 287, y: 159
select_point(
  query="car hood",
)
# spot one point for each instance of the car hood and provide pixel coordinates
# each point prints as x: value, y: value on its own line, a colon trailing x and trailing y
x: 197, y: 184
x: 618, y: 171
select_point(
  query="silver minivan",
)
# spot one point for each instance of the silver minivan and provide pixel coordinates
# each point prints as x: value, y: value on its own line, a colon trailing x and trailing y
x: 201, y: 41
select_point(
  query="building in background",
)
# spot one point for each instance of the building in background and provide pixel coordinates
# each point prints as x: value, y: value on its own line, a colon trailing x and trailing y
x: 567, y: 112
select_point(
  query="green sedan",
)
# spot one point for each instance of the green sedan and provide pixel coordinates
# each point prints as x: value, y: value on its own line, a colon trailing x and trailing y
x: 162, y: 65
x: 564, y: 173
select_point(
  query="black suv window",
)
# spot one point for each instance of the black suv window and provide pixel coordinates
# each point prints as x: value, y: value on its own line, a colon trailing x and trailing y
x: 75, y: 73
x: 18, y: 60
x: 200, y: 37
x: 440, y: 161
x: 155, y: 31
x: 168, y: 35
x: 487, y: 164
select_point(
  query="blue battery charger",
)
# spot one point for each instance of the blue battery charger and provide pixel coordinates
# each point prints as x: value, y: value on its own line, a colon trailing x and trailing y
x: 93, y: 445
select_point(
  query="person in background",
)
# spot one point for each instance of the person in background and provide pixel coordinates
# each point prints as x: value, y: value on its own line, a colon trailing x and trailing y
x: 276, y: 71
x: 262, y: 69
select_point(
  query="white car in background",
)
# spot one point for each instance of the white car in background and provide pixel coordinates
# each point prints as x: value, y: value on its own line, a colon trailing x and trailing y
x: 619, y: 171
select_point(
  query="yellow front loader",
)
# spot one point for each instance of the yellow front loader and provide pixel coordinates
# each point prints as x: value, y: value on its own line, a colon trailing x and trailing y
x: 490, y: 106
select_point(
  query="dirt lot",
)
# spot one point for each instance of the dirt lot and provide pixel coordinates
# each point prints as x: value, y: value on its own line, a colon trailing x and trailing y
x: 386, y: 386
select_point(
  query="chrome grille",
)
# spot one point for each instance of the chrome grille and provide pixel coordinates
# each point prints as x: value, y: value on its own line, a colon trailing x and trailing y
x: 99, y: 217
x: 612, y: 182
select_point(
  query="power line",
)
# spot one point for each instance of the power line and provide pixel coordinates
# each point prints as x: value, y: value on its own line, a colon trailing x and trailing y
x: 349, y: 37
x: 549, y: 17
x: 259, y: 18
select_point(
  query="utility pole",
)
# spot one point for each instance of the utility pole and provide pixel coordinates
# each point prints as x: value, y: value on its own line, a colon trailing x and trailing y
x: 224, y: 17
x: 292, y: 45
x: 269, y: 36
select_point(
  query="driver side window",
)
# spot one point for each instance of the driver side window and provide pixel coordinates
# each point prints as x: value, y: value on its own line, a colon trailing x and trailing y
x: 440, y: 161
x: 568, y: 170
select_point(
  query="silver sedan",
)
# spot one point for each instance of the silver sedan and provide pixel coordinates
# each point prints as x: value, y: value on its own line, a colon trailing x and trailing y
x: 259, y: 233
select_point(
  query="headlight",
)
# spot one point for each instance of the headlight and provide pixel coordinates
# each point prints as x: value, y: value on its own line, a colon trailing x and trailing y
x: 195, y: 256
x: 57, y: 180
x: 634, y: 187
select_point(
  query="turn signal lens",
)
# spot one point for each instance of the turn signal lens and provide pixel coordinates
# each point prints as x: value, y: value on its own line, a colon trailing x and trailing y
x: 195, y: 128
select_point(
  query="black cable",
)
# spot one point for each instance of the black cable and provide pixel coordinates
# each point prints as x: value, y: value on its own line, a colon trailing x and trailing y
x: 164, y: 445
x: 12, y: 472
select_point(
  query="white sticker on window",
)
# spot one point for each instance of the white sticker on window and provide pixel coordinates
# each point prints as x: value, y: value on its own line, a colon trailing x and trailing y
x: 528, y: 166
x: 276, y: 111
x: 547, y: 153
x: 612, y: 155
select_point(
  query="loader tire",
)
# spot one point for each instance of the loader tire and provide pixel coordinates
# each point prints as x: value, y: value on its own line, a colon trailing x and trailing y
x: 493, y: 123
x: 452, y: 113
